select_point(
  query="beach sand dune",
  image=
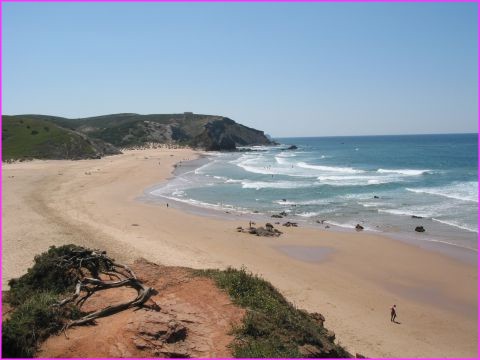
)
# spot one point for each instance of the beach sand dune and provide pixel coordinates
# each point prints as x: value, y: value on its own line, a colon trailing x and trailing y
x: 352, y: 280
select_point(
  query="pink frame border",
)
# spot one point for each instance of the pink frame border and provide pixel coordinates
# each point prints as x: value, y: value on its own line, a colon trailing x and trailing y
x: 355, y: 1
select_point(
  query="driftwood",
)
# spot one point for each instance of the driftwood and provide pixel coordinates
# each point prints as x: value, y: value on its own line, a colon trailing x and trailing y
x: 98, y: 266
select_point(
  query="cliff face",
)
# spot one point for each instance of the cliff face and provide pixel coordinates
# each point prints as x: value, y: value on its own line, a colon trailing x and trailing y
x: 210, y: 132
x: 226, y: 134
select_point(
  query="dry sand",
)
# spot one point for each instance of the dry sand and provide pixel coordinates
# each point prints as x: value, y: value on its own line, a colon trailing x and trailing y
x: 351, y: 278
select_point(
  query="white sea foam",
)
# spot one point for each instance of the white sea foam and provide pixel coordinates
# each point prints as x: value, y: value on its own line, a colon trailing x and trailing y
x: 347, y: 170
x: 405, y: 212
x: 464, y: 191
x: 233, y: 181
x: 287, y: 154
x: 407, y: 172
x: 308, y: 214
x: 370, y: 205
x: 281, y: 202
x: 358, y: 180
x: 201, y: 169
x: 247, y: 184
x: 281, y: 160
x: 457, y: 225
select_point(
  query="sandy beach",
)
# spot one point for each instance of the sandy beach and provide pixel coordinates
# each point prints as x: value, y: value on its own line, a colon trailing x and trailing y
x: 351, y: 278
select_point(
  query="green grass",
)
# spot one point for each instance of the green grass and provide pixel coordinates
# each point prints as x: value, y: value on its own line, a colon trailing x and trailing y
x: 26, y: 138
x: 272, y: 327
x: 32, y: 296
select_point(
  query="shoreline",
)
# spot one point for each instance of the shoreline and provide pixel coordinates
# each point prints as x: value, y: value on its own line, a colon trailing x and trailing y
x: 62, y: 204
x: 458, y: 252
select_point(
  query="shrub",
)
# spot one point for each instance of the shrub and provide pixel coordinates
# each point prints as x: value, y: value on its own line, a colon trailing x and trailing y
x: 44, y: 275
x: 34, y: 132
x: 33, y: 296
x: 31, y: 322
x: 272, y: 327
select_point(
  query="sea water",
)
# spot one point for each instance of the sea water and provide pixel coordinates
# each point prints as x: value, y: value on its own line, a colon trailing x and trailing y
x: 388, y: 184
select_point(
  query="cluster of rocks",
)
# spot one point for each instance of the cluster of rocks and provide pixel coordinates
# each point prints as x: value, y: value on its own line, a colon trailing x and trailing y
x: 419, y: 229
x: 290, y: 224
x: 268, y: 230
x: 280, y: 215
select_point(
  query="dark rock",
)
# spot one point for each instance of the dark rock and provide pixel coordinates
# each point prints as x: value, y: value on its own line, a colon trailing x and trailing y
x: 292, y: 147
x: 417, y: 217
x: 376, y: 197
x: 420, y: 229
x: 359, y: 227
x: 283, y: 213
x: 284, y: 200
x: 327, y: 227
x: 289, y: 223
x: 330, y: 335
x: 277, y: 216
x: 269, y: 230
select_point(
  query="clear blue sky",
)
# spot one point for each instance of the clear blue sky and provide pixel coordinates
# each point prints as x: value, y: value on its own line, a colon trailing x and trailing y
x: 304, y: 69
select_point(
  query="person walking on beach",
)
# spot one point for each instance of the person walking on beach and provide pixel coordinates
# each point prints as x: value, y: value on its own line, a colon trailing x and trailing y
x: 393, y: 313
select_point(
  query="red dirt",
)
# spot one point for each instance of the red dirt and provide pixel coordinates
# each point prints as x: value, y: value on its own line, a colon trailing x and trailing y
x: 189, y: 317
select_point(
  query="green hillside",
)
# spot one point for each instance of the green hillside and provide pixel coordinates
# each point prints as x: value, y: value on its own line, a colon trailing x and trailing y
x: 26, y: 138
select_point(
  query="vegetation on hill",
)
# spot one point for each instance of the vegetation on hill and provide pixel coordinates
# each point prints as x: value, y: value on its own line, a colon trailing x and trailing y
x: 273, y: 327
x: 27, y: 138
x: 33, y: 296
x: 205, y: 131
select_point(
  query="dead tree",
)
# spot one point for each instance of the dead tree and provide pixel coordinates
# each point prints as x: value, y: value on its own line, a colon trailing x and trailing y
x: 91, y: 268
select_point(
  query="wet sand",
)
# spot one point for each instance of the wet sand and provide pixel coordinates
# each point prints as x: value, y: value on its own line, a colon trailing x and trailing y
x: 95, y: 203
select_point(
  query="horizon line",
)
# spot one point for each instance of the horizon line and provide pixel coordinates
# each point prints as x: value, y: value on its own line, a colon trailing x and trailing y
x: 371, y: 135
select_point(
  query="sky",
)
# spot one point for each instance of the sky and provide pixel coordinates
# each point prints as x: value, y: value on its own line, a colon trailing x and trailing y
x: 290, y: 69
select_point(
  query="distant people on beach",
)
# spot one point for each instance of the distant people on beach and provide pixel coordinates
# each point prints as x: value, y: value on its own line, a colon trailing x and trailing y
x: 393, y: 313
x: 167, y: 205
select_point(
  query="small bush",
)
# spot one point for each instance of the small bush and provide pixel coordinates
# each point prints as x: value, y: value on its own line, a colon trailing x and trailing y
x: 45, y: 275
x: 33, y: 296
x: 30, y: 323
x: 46, y: 128
x: 34, y: 132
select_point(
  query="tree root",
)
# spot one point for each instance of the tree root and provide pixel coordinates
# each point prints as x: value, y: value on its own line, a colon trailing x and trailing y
x: 97, y: 263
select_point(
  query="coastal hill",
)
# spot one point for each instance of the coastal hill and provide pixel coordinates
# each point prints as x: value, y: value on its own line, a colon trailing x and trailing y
x: 51, y: 137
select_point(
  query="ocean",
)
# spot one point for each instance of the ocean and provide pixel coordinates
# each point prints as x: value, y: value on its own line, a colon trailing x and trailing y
x: 387, y: 184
